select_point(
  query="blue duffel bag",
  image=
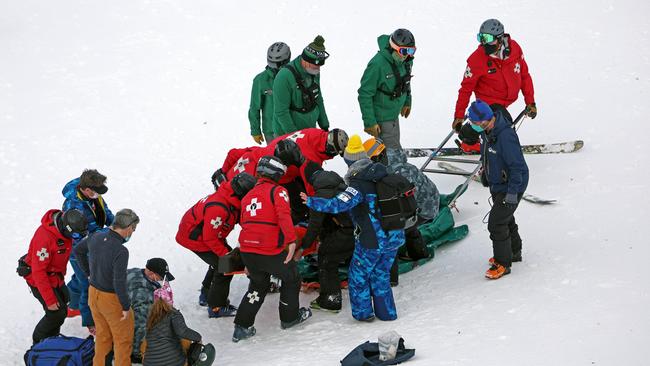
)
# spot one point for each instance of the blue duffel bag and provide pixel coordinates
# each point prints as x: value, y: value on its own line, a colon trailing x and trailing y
x: 61, y: 351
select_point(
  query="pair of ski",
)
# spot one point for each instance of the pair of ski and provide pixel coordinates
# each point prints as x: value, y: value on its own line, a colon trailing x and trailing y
x: 527, y: 196
x: 554, y: 148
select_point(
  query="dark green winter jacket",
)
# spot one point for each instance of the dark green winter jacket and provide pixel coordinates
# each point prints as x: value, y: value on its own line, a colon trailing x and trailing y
x: 287, y: 95
x: 375, y: 105
x: 262, y: 101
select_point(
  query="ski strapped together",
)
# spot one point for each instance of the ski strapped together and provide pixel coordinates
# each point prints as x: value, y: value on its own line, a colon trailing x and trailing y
x: 552, y: 148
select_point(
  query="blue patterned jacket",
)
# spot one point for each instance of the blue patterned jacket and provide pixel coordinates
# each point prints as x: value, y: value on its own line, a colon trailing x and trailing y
x: 94, y: 210
x: 360, y: 200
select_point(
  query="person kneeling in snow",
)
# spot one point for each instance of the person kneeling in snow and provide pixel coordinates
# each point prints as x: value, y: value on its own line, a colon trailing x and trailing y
x: 167, y: 334
x: 266, y: 231
x: 141, y: 283
x: 375, y: 249
x: 506, y: 173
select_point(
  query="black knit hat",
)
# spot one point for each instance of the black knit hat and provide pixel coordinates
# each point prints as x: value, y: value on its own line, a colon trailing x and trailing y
x: 315, y: 52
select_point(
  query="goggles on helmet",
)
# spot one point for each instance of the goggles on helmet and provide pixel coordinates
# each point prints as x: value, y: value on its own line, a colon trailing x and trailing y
x: 484, y: 38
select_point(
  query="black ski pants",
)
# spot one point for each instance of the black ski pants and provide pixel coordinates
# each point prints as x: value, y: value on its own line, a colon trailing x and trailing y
x: 503, y: 229
x: 219, y: 283
x: 336, y: 246
x: 50, y: 324
x: 260, y: 268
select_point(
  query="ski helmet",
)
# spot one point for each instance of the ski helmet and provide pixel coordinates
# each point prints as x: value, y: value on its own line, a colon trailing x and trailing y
x: 403, y: 37
x: 492, y: 26
x: 271, y: 167
x: 242, y: 183
x: 337, y: 140
x: 278, y: 54
x: 289, y: 152
x: 73, y: 224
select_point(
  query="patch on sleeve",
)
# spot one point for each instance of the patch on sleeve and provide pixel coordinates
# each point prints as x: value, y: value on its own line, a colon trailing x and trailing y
x: 344, y: 196
x: 352, y: 191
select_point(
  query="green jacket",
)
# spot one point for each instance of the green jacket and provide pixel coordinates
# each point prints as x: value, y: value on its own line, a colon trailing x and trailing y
x: 262, y: 101
x: 375, y: 105
x: 286, y: 94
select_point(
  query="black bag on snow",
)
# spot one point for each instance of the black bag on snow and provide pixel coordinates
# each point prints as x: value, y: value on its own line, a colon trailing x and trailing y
x: 396, y: 200
x: 61, y: 351
x: 367, y: 354
x: 231, y: 262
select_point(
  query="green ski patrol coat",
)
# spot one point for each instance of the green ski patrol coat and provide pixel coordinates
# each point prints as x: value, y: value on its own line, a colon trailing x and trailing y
x: 262, y: 101
x: 288, y: 97
x: 379, y: 76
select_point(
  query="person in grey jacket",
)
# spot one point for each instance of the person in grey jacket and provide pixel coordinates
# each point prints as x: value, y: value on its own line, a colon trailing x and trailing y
x: 165, y: 329
x: 141, y: 284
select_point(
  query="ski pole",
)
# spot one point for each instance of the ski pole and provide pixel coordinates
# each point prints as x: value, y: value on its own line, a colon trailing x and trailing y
x: 519, y: 118
x: 435, y: 152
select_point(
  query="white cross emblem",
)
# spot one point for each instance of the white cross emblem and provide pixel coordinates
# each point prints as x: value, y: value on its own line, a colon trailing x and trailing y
x: 42, y: 254
x: 468, y: 73
x: 252, y: 297
x: 517, y: 68
x: 254, y: 206
x: 241, y: 165
x: 216, y: 222
x: 283, y: 194
x: 296, y: 136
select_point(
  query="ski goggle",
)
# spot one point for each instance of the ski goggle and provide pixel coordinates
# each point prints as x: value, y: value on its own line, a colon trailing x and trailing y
x: 484, y: 38
x: 405, y: 51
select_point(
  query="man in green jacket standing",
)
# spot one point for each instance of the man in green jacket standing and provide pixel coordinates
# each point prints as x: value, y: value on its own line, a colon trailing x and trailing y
x: 385, y: 91
x: 297, y: 97
x: 277, y: 56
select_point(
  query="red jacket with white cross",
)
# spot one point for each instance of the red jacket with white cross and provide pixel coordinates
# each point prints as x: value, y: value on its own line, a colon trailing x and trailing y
x: 265, y: 220
x: 206, y: 225
x: 494, y: 80
x: 48, y: 255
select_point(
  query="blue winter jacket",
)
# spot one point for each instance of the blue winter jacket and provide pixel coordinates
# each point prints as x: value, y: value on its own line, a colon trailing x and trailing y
x: 75, y: 199
x: 360, y: 199
x: 504, y: 164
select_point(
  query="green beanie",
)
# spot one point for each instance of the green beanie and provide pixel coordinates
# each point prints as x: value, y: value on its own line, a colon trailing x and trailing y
x: 315, y: 52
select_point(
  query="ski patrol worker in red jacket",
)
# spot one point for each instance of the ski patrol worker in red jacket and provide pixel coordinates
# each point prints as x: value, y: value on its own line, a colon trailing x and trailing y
x: 267, y: 231
x: 45, y: 266
x: 495, y: 73
x: 204, y: 229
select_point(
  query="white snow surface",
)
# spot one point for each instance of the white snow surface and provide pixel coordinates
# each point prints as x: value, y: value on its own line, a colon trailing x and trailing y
x: 154, y: 93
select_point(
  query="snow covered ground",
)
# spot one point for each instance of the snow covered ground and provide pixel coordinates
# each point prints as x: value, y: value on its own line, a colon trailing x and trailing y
x: 153, y: 93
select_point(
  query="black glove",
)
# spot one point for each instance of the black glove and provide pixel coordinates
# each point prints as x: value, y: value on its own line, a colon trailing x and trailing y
x: 217, y: 178
x: 468, y: 135
x: 531, y: 110
x: 511, y: 201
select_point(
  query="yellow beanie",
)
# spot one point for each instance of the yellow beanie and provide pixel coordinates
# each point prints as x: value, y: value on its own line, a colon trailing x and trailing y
x: 355, y: 151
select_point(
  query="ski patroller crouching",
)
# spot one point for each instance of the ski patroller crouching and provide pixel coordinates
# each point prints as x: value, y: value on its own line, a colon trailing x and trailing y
x: 375, y: 249
x: 506, y: 174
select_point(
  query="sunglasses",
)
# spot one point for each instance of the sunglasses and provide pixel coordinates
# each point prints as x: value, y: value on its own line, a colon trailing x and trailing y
x: 484, y: 38
x: 405, y: 51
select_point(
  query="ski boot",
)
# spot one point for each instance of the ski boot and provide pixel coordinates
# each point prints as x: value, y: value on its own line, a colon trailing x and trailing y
x: 203, y: 297
x: 242, y: 333
x: 329, y: 303
x: 222, y: 312
x: 303, y: 314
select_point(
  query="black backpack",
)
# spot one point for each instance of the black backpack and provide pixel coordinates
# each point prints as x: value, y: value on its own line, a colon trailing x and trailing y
x: 396, y: 201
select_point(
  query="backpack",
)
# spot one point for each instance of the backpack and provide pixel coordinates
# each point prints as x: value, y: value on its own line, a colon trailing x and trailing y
x: 61, y: 351
x: 309, y: 95
x: 396, y: 201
